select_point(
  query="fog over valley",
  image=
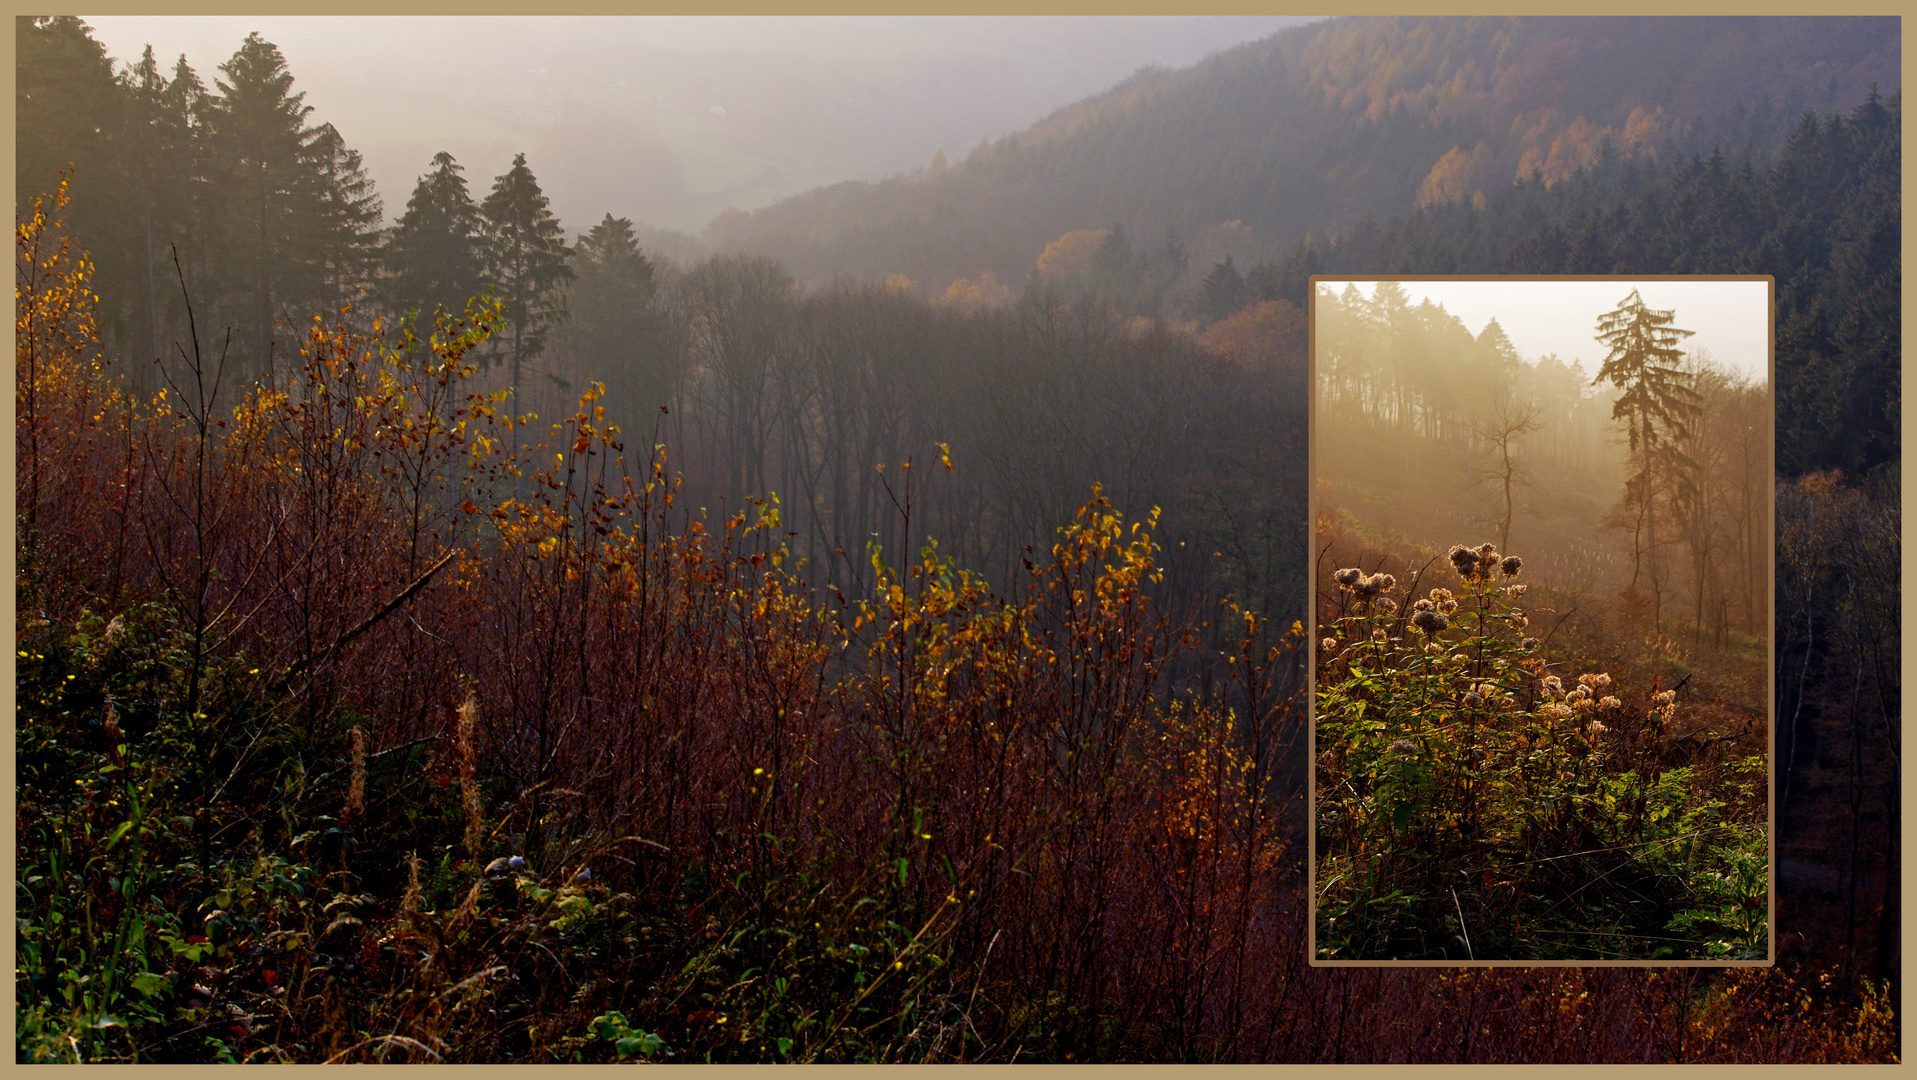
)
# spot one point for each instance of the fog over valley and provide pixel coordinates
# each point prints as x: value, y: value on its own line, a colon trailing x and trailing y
x: 670, y: 119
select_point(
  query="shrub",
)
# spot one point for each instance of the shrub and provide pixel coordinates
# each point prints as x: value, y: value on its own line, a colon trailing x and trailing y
x: 1473, y: 804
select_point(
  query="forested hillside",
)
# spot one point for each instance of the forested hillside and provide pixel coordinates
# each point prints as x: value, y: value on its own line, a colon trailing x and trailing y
x: 1316, y: 127
x: 1824, y: 218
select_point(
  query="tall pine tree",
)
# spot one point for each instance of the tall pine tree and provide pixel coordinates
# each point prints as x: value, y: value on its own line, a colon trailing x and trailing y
x: 1657, y: 402
x: 527, y: 262
x: 613, y: 328
x: 344, y: 221
x: 70, y: 115
x: 66, y: 107
x: 435, y: 255
x: 292, y: 208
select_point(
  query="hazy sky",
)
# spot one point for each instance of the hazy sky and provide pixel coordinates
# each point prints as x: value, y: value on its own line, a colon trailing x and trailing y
x: 671, y: 119
x: 1731, y: 319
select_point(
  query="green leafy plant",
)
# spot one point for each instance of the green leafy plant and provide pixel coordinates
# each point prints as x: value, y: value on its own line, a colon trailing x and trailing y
x: 1463, y: 788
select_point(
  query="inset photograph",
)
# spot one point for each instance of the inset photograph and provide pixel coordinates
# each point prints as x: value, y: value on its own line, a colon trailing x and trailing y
x: 1542, y: 631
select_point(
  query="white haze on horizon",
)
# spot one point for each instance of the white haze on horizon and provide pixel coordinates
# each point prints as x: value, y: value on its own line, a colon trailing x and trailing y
x: 669, y: 120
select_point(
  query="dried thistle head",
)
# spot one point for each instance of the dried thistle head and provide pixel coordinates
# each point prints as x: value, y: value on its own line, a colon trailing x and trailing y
x: 1473, y: 700
x: 1405, y: 748
x: 1553, y: 685
x: 1429, y: 621
x: 1608, y: 703
x: 1529, y: 644
x: 1329, y: 645
x: 1515, y: 591
x: 1511, y: 565
x: 1370, y: 588
x: 1348, y: 577
x: 1464, y: 559
x: 1422, y: 604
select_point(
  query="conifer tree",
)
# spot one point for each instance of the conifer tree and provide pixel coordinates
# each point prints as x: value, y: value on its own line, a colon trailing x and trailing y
x: 66, y: 106
x: 1657, y: 402
x: 293, y: 207
x: 69, y: 117
x: 258, y: 137
x: 434, y: 256
x: 1224, y: 290
x: 1118, y: 272
x: 527, y: 261
x: 344, y: 221
x: 613, y: 327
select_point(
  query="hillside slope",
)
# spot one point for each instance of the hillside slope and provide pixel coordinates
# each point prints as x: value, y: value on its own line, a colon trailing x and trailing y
x: 1317, y: 127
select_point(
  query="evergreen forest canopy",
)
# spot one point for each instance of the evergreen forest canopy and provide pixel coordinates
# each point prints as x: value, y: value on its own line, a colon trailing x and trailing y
x: 643, y: 655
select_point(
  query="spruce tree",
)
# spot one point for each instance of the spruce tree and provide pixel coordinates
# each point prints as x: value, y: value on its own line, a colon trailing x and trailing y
x: 293, y: 206
x: 258, y: 137
x: 612, y: 326
x: 343, y: 222
x: 1657, y: 402
x: 70, y: 116
x: 66, y: 107
x: 434, y: 256
x: 527, y: 259
x: 1224, y: 290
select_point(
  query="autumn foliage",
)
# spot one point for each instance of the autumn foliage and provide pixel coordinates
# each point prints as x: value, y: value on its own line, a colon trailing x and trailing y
x: 347, y: 734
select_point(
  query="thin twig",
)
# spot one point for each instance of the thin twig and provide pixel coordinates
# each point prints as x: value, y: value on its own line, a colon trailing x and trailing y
x: 1468, y: 953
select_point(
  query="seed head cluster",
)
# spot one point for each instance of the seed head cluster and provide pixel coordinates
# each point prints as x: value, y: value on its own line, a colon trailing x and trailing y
x: 1367, y: 588
x: 1481, y: 562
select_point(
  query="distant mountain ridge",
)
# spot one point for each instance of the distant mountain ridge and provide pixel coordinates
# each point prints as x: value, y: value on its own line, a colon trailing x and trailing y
x: 1317, y: 127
